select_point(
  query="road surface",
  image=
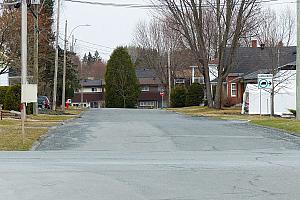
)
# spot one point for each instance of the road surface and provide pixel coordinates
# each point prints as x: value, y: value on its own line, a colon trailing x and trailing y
x: 115, y: 154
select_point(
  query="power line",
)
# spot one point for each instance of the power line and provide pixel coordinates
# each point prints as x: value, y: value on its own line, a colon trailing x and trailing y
x: 149, y: 6
x: 93, y: 43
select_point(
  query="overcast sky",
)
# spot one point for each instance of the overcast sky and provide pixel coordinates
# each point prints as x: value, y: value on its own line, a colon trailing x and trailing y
x: 111, y: 26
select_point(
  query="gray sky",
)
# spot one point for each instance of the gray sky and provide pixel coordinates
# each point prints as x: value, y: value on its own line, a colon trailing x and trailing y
x: 111, y: 26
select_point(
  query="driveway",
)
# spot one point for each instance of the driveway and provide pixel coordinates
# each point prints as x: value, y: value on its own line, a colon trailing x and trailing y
x: 116, y: 154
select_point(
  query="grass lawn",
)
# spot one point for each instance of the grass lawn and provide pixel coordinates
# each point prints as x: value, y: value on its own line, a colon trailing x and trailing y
x: 290, y: 125
x: 35, y: 126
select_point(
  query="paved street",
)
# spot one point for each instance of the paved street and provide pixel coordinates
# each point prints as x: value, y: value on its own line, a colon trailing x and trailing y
x: 155, y: 155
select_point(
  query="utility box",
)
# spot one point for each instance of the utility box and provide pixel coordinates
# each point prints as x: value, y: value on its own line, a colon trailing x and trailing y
x: 29, y: 93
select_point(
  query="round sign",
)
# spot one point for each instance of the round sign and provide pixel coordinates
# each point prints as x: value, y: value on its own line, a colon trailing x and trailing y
x: 162, y: 94
x: 263, y: 83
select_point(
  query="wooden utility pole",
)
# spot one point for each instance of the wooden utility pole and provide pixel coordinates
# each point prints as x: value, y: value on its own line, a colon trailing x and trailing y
x: 56, y: 56
x: 169, y: 76
x: 36, y: 54
x: 64, y: 71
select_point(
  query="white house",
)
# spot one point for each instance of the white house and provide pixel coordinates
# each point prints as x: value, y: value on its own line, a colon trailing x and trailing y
x: 4, y: 79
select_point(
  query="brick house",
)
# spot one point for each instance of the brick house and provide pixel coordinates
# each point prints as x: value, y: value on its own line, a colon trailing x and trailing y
x: 251, y: 61
x: 91, y: 95
x: 151, y: 87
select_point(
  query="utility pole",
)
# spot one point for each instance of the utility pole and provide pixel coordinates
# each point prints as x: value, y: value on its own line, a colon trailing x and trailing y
x: 298, y: 61
x: 64, y: 71
x: 24, y: 60
x: 56, y: 56
x: 36, y: 54
x: 81, y: 84
x: 169, y: 76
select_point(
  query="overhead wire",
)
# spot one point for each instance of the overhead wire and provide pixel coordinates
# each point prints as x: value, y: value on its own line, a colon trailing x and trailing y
x: 151, y: 6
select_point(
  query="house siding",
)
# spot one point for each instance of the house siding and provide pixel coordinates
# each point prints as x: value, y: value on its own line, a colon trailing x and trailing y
x: 238, y: 98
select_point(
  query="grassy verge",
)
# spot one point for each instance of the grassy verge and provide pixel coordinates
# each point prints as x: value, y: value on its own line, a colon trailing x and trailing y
x: 36, y: 126
x: 290, y: 125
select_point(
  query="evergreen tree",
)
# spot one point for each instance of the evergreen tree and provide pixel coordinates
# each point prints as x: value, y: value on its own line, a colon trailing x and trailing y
x: 195, y: 95
x: 122, y: 88
x: 97, y: 56
x: 178, y: 96
x: 90, y: 59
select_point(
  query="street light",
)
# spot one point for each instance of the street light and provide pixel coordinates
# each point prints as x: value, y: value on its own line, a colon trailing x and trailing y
x: 65, y: 61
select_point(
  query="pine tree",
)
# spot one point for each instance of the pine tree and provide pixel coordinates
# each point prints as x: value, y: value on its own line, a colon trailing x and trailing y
x: 122, y: 88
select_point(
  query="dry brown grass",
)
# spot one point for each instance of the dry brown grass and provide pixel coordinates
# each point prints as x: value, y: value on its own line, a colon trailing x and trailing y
x: 36, y: 126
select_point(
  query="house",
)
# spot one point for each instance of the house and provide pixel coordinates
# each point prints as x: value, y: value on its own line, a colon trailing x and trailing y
x: 91, y: 94
x: 4, y: 79
x: 187, y: 76
x: 151, y: 87
x: 249, y: 62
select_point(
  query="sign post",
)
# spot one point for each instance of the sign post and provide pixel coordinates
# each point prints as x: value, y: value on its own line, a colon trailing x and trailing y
x: 28, y: 95
x: 162, y: 94
x: 265, y: 81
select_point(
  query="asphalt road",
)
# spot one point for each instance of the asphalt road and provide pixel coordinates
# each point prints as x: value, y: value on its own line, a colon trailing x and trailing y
x: 155, y: 155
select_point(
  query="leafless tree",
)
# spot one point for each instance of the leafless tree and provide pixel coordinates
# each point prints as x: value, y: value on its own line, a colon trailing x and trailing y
x: 154, y: 40
x: 276, y: 31
x: 193, y: 19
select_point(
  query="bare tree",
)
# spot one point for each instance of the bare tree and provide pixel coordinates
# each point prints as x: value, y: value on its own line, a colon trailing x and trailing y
x: 274, y: 32
x: 193, y: 19
x: 154, y: 40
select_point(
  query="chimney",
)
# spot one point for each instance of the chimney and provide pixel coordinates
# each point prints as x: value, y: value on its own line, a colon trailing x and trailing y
x: 254, y: 43
x: 280, y: 44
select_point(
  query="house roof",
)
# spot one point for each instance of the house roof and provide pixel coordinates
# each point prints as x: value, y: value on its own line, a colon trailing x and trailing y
x: 149, y: 81
x: 289, y: 66
x: 92, y: 83
x: 145, y: 73
x: 147, y: 76
x: 254, y: 75
x: 249, y: 59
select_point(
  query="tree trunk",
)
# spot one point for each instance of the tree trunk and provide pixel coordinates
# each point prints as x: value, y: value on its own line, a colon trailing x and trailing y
x: 124, y: 102
x: 219, y: 92
x: 208, y: 86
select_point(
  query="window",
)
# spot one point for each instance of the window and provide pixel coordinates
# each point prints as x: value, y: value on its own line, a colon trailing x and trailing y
x: 199, y: 80
x: 145, y: 89
x: 94, y: 89
x: 233, y: 89
x: 147, y: 103
x: 179, y: 81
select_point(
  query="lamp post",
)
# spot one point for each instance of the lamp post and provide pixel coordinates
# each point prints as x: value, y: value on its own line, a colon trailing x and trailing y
x: 65, y: 62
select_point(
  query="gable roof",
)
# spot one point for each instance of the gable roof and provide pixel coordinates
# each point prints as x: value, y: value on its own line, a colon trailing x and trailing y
x: 249, y: 59
x: 145, y: 73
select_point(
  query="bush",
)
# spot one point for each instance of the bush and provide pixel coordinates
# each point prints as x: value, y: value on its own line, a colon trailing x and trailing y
x: 195, y: 95
x: 293, y: 112
x: 12, y: 99
x: 3, y: 90
x: 178, y: 97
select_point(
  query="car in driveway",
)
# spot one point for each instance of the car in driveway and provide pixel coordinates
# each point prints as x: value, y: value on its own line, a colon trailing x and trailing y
x: 43, y: 102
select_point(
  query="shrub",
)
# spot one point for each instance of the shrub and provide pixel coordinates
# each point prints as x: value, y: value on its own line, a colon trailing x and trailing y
x: 195, y: 95
x: 178, y: 97
x: 12, y: 99
x: 3, y: 90
x: 293, y: 112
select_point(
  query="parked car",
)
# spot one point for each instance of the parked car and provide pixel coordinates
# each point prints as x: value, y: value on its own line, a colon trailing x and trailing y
x: 43, y: 102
